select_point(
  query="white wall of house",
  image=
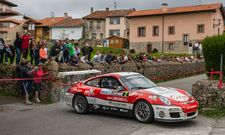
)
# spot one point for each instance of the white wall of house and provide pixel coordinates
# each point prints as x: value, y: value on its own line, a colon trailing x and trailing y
x: 63, y: 33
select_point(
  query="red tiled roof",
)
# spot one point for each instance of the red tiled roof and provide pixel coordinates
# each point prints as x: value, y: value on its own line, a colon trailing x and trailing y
x: 50, y: 21
x: 117, y: 13
x: 32, y: 20
x: 6, y: 2
x: 98, y: 15
x: 70, y: 22
x: 102, y: 14
x: 198, y: 8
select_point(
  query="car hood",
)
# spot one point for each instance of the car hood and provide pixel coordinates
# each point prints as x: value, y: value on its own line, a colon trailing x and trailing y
x: 170, y: 93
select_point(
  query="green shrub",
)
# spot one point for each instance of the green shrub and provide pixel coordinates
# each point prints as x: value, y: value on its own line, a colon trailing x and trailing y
x: 155, y: 50
x: 107, y: 50
x: 132, y: 51
x: 212, y: 49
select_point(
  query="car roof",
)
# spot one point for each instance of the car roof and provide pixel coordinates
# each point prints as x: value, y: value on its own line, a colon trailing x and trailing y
x: 123, y: 73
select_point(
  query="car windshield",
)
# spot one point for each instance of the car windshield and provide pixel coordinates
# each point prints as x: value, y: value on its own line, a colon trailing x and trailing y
x: 136, y: 82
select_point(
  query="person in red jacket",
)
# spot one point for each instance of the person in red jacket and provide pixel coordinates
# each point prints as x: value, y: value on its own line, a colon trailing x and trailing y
x: 25, y: 44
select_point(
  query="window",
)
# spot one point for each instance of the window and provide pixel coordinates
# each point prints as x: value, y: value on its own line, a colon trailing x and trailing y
x: 201, y: 28
x: 141, y: 32
x: 155, y: 31
x: 171, y: 46
x: 98, y: 24
x: 185, y: 39
x: 115, y: 20
x: 171, y: 30
x: 94, y: 82
x: 31, y: 27
x: 93, y: 36
x: 91, y: 24
x: 110, y: 83
x: 114, y: 32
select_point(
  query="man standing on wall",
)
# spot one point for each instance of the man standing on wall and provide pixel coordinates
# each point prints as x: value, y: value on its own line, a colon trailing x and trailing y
x: 2, y: 45
x: 25, y: 44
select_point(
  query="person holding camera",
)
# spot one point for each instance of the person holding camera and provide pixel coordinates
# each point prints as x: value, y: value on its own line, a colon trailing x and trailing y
x: 26, y: 73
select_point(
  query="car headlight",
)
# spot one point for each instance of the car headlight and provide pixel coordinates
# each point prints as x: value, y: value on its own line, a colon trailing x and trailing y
x: 165, y: 100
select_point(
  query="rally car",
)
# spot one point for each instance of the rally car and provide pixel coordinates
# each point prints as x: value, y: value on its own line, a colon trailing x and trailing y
x: 129, y: 93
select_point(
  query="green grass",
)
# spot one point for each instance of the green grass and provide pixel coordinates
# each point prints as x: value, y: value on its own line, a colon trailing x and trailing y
x: 213, y: 112
x: 170, y: 55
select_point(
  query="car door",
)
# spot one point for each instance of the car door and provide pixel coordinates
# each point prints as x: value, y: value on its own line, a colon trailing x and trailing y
x: 113, y: 94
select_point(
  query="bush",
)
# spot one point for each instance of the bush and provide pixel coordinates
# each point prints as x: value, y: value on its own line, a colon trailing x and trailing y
x: 107, y: 50
x: 132, y: 51
x: 155, y: 50
x: 212, y: 49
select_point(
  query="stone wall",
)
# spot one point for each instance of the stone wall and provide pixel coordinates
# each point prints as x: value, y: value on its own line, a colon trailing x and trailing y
x: 208, y: 94
x: 178, y: 46
x: 51, y: 88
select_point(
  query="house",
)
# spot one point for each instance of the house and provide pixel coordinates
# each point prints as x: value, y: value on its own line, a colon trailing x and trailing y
x: 95, y: 24
x: 118, y: 42
x: 6, y: 9
x: 172, y: 29
x: 69, y: 28
x: 117, y: 23
x: 43, y: 31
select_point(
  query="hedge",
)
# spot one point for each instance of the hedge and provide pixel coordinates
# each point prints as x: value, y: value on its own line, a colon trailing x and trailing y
x: 212, y: 49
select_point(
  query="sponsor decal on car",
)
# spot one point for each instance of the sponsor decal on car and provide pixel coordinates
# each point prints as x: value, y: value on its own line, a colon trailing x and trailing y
x: 117, y: 99
x: 179, y: 98
x: 106, y: 92
x: 89, y: 92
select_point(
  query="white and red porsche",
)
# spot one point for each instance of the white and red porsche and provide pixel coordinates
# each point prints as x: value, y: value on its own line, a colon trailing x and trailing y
x: 129, y: 93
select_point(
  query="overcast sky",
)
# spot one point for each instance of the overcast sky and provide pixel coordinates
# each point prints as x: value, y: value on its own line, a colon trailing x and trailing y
x: 78, y: 8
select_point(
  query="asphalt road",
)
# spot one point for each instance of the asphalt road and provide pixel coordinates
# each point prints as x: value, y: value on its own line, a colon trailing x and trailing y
x: 58, y: 119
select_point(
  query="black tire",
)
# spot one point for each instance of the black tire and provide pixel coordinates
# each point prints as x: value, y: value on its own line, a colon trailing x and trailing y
x: 143, y: 112
x: 80, y: 104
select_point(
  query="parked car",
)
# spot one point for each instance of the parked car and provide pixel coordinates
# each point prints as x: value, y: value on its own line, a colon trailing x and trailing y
x: 128, y: 93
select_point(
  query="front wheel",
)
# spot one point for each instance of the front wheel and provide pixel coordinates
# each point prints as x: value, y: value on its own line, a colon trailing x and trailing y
x: 143, y: 112
x: 80, y: 104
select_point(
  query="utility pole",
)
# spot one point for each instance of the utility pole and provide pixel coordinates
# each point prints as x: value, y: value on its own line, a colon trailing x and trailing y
x: 115, y: 5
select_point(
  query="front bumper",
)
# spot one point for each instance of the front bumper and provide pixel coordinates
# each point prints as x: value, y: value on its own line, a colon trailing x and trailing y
x: 69, y: 99
x: 172, y: 114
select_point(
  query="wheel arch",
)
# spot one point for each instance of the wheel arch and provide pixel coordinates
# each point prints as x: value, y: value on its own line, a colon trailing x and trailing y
x: 78, y: 93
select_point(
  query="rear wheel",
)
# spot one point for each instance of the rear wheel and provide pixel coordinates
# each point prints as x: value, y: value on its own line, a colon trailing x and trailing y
x: 143, y: 112
x: 80, y: 104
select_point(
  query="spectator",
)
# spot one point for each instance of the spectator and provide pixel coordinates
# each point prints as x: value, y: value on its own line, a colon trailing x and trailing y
x: 25, y: 44
x: 110, y: 57
x: 87, y: 50
x: 37, y: 82
x: 190, y: 50
x: 2, y: 45
x: 71, y: 49
x: 55, y: 50
x: 26, y: 72
x: 36, y: 53
x: 62, y: 48
x: 18, y: 46
x: 32, y: 47
x: 43, y: 54
x: 66, y: 52
x: 97, y: 57
x: 102, y: 57
x: 8, y: 54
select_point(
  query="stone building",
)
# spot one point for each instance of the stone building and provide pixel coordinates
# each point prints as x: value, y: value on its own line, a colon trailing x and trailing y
x: 102, y: 24
x: 172, y: 29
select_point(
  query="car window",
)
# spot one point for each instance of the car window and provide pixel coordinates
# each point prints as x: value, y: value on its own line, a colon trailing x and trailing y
x: 94, y: 82
x: 110, y: 83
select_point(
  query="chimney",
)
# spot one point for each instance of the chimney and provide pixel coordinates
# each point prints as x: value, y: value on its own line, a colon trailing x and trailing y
x: 92, y: 9
x: 107, y: 9
x: 164, y: 7
x: 66, y: 15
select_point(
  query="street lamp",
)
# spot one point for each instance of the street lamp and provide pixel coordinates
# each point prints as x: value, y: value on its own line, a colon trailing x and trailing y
x: 216, y: 23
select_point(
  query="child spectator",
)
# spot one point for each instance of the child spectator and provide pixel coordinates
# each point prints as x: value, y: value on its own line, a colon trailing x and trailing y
x: 43, y: 54
x: 37, y: 82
